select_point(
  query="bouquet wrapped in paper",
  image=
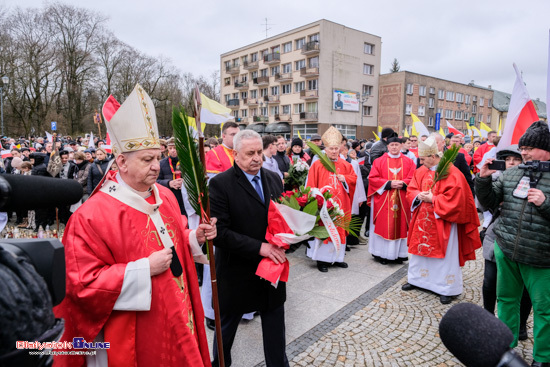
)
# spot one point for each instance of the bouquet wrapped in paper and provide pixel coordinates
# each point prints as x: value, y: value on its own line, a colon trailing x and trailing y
x: 297, y: 174
x: 300, y: 215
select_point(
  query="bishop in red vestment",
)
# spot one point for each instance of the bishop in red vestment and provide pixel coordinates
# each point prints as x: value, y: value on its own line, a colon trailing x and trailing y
x: 443, y: 233
x: 388, y: 180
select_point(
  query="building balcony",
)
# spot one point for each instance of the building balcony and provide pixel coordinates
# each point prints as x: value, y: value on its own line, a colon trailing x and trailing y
x: 251, y: 65
x: 244, y: 120
x: 252, y: 101
x: 311, y: 48
x: 233, y: 103
x: 261, y: 119
x: 285, y: 77
x: 272, y: 99
x: 241, y: 85
x: 261, y: 80
x: 283, y: 117
x: 272, y: 58
x: 232, y: 70
x: 308, y: 116
x: 309, y: 94
x: 309, y: 72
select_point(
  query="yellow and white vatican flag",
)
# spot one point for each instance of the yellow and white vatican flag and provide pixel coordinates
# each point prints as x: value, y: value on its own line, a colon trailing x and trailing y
x: 406, y: 133
x: 418, y: 127
x: 500, y: 127
x: 484, y: 129
x: 213, y: 112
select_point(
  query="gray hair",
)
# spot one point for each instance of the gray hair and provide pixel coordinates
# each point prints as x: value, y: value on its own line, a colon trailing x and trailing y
x: 436, y: 136
x: 245, y: 135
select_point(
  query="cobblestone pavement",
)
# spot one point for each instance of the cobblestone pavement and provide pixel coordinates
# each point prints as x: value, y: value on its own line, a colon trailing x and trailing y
x: 395, y: 328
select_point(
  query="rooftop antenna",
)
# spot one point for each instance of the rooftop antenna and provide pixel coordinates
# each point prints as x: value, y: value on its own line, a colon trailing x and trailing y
x: 266, y: 25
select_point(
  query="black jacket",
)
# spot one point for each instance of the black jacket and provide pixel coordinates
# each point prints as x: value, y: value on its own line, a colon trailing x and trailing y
x: 166, y: 175
x: 242, y: 222
x: 39, y: 167
x: 96, y: 174
x: 283, y: 161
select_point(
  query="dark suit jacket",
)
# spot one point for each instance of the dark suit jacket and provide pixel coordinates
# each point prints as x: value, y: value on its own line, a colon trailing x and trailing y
x: 242, y: 222
x: 165, y: 176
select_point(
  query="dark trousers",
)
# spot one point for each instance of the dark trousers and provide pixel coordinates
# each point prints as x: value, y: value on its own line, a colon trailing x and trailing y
x: 490, y: 294
x: 273, y: 331
x: 352, y: 240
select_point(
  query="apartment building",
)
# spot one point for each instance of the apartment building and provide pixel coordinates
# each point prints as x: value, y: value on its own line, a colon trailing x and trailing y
x: 305, y: 80
x: 404, y: 92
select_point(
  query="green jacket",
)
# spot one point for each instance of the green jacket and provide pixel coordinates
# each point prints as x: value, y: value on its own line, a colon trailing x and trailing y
x: 523, y: 231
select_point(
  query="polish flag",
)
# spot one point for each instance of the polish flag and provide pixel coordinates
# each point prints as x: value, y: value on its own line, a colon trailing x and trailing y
x: 6, y: 153
x: 521, y: 114
x: 107, y: 146
x: 452, y: 129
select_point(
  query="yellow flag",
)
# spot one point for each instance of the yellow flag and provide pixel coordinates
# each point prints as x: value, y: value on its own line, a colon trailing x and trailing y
x: 376, y: 136
x: 500, y: 128
x: 193, y: 123
x: 477, y: 131
x: 216, y: 136
x: 484, y: 127
x: 300, y: 136
x: 440, y: 131
x: 379, y: 129
x: 406, y: 133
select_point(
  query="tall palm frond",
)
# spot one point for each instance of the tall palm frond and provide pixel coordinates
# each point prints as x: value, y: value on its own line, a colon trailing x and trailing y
x: 327, y: 163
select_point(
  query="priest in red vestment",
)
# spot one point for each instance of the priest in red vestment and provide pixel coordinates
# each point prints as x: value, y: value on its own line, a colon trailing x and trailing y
x: 220, y: 159
x: 390, y: 211
x: 119, y: 248
x: 443, y: 233
x: 484, y: 148
x: 342, y: 187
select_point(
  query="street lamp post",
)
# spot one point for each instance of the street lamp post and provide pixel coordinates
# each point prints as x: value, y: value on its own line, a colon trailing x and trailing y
x: 362, y: 99
x: 5, y: 80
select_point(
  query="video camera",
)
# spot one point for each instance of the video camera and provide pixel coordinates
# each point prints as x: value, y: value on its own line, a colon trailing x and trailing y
x: 533, y: 167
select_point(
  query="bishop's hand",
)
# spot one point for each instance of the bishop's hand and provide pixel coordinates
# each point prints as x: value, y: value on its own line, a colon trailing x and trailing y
x: 160, y: 261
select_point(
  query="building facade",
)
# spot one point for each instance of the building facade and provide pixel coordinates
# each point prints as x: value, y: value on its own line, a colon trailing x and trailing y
x: 305, y: 80
x: 404, y: 92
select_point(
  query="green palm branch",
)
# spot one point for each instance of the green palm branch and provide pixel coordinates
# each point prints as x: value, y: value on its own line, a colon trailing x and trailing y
x: 442, y: 170
x: 327, y: 163
x: 191, y: 167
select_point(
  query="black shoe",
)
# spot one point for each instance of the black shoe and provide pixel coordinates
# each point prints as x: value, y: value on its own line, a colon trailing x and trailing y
x: 322, y: 266
x: 540, y: 364
x: 445, y: 299
x: 342, y: 265
x: 348, y: 248
x: 211, y: 324
x: 408, y: 287
x: 522, y: 333
x: 383, y: 261
x: 397, y: 261
x: 403, y: 258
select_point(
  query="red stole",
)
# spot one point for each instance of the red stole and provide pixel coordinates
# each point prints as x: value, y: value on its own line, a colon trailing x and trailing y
x: 453, y: 202
x: 97, y: 250
x: 391, y: 209
x: 219, y: 159
x: 415, y: 151
x: 319, y: 177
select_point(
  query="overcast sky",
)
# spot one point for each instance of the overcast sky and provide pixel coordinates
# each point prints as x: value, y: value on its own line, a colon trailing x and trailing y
x: 457, y: 40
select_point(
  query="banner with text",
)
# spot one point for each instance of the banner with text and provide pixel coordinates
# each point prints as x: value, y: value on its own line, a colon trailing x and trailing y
x: 345, y: 100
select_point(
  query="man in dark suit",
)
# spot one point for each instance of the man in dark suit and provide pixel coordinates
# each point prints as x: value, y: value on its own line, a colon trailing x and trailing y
x: 240, y: 198
x: 170, y: 175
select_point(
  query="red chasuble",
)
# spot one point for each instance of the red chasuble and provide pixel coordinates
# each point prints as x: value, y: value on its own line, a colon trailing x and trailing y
x: 415, y: 151
x: 467, y: 156
x: 392, y: 211
x: 102, y: 236
x: 319, y: 177
x: 453, y: 202
x: 219, y: 159
x: 480, y: 152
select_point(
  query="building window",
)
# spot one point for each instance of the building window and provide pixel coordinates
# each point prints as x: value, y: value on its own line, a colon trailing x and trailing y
x: 263, y: 111
x: 440, y: 94
x: 474, y: 98
x: 287, y: 88
x: 254, y: 57
x: 312, y: 84
x: 409, y: 89
x: 481, y: 101
x: 275, y: 49
x: 235, y: 114
x: 275, y: 91
x: 430, y: 121
x: 227, y: 81
x: 311, y: 107
x: 488, y: 119
x: 369, y: 48
x: 367, y: 110
x: 421, y: 110
x: 287, y: 47
x: 480, y: 117
x: 349, y: 131
x: 286, y: 109
x: 432, y: 90
x: 300, y: 43
x: 275, y: 70
x: 489, y: 103
x: 254, y: 93
x: 287, y: 68
x: 244, y: 113
x: 449, y: 114
x: 467, y: 99
x: 440, y: 111
x: 300, y: 64
x: 367, y: 90
x: 458, y: 115
x: 306, y: 130
x: 450, y: 96
x: 264, y: 53
x: 299, y: 107
x: 460, y: 97
x: 244, y: 59
x: 422, y: 90
x: 227, y: 97
x: 300, y: 86
x: 314, y: 37
x: 253, y: 75
x: 474, y: 108
x: 274, y: 110
x: 431, y: 102
x: 263, y: 72
x: 466, y: 116
x: 263, y: 92
x: 408, y: 109
x: 313, y: 62
x: 244, y: 95
x: 368, y: 69
x: 236, y: 62
x: 236, y: 95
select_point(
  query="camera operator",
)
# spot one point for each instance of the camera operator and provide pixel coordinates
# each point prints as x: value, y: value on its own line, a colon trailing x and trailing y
x: 522, y: 247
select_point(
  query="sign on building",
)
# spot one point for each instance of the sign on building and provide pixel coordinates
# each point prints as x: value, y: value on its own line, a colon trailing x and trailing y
x: 345, y: 100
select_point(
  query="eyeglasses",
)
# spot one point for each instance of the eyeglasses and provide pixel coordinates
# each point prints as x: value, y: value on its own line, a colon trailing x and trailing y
x: 527, y: 149
x: 413, y: 140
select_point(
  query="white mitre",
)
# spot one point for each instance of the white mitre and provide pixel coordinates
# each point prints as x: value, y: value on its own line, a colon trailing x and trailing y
x: 427, y: 147
x: 134, y: 127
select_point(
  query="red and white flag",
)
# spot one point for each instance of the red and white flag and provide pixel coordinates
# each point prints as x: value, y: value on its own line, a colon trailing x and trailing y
x: 6, y: 153
x: 452, y: 129
x: 521, y: 114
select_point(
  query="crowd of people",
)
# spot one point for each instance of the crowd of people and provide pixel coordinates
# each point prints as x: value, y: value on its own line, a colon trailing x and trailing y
x: 410, y: 210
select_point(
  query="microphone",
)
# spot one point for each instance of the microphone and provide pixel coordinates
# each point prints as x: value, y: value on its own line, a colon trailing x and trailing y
x: 477, y: 338
x: 21, y: 192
